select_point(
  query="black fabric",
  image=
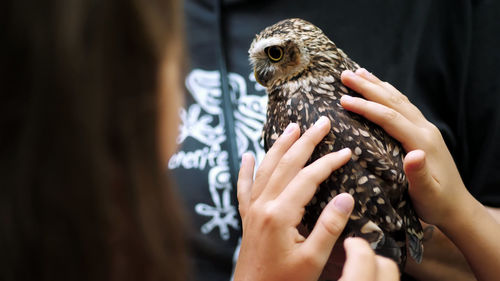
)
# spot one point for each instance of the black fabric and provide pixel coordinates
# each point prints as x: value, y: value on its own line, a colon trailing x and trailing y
x: 444, y: 55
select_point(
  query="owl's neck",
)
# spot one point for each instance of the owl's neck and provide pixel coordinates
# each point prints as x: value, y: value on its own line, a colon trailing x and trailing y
x: 314, y: 83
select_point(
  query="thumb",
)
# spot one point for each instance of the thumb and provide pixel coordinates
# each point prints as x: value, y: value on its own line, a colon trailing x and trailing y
x: 418, y: 174
x: 360, y: 260
x: 329, y: 226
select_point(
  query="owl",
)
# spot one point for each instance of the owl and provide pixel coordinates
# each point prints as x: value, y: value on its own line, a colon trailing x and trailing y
x: 300, y: 69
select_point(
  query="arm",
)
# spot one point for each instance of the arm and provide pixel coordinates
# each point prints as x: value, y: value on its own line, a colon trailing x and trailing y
x: 272, y: 206
x: 437, y: 191
x: 442, y: 259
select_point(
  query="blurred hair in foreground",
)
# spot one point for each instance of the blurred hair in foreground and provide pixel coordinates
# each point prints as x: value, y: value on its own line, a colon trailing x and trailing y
x: 82, y: 186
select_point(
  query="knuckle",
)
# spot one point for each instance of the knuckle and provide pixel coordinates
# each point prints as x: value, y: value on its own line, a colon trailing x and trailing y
x: 333, y: 225
x: 396, y: 99
x: 240, y: 188
x: 433, y: 129
x: 399, y: 99
x: 314, y: 134
x: 386, y: 84
x: 286, y: 161
x: 269, y: 214
x: 261, y: 176
x: 309, y: 140
x: 426, y: 140
x: 390, y: 114
x: 315, y: 173
x: 239, y: 192
x: 242, y: 210
x: 406, y: 99
x: 403, y: 97
x: 416, y: 111
x: 311, y: 259
x: 281, y: 144
x: 431, y: 136
x: 307, y: 174
x: 312, y: 141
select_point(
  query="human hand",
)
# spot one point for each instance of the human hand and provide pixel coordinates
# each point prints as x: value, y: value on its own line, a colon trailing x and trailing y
x: 429, y: 166
x: 362, y: 264
x: 272, y: 207
x: 352, y: 254
x: 436, y: 188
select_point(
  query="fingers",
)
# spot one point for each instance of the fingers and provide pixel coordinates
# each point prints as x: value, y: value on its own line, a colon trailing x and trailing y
x: 390, y: 120
x: 367, y: 75
x: 370, y: 88
x: 272, y: 158
x: 245, y: 181
x: 300, y: 191
x: 295, y: 158
x: 328, y: 228
x: 360, y: 261
x: 384, y: 93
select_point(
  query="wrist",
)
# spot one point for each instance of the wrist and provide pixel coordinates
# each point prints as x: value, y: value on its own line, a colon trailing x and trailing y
x: 463, y: 216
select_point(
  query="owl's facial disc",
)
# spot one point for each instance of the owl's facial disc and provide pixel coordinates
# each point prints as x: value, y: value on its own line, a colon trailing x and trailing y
x: 276, y: 59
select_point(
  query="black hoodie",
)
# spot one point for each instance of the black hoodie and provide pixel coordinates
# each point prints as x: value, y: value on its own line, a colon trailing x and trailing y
x: 444, y: 55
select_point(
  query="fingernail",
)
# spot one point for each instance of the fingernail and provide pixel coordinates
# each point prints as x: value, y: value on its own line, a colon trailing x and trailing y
x: 245, y: 157
x: 344, y: 151
x: 290, y: 128
x: 348, y: 241
x: 349, y: 73
x: 367, y: 74
x: 362, y: 71
x: 343, y: 203
x: 346, y: 99
x: 322, y: 121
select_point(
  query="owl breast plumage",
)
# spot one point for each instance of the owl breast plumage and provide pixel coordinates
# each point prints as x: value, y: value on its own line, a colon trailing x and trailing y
x: 300, y: 68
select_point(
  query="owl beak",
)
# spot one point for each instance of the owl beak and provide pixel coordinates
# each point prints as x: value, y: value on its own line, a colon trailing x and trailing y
x: 256, y: 77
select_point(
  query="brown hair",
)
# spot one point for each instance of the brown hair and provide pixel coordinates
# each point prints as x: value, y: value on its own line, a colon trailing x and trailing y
x: 82, y: 192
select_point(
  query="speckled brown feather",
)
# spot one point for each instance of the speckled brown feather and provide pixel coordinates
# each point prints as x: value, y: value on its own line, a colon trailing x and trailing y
x: 305, y: 85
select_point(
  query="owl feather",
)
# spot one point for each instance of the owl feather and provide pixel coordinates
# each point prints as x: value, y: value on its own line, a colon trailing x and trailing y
x: 300, y: 69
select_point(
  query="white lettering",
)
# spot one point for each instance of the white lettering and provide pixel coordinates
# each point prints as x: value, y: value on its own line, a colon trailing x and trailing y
x: 198, y: 159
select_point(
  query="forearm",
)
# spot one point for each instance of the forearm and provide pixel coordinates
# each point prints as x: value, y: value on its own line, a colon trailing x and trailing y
x: 474, y: 230
x: 442, y: 259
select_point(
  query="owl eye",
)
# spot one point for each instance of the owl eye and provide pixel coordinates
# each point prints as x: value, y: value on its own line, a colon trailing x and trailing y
x: 275, y: 53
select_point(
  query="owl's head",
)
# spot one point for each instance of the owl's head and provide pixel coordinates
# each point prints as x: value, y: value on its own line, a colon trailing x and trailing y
x: 284, y: 50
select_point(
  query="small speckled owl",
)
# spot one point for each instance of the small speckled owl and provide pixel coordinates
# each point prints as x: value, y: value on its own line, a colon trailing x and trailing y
x: 300, y: 68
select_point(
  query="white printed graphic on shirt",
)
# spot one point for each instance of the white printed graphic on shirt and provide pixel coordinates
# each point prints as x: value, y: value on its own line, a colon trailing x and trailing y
x: 204, y: 122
